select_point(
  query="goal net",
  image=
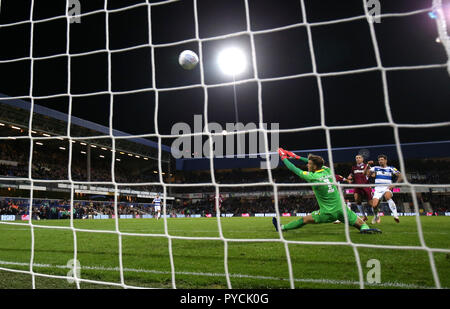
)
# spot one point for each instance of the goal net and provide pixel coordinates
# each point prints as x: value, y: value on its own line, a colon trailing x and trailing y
x: 163, y: 90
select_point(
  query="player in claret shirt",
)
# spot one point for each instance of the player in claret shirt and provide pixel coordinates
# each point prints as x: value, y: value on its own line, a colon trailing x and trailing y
x: 219, y: 199
x: 359, y: 175
x: 328, y: 197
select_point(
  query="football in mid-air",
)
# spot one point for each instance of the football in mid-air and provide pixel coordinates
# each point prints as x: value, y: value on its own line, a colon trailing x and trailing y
x: 188, y: 59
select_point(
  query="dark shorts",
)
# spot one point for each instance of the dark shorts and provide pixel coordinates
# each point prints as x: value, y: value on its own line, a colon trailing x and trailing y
x: 367, y: 192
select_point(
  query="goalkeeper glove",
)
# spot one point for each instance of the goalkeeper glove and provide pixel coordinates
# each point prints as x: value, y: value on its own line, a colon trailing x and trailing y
x: 292, y: 155
x: 282, y: 154
x: 285, y: 154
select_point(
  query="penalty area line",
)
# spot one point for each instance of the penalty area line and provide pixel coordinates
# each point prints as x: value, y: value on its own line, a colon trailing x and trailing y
x: 160, y: 272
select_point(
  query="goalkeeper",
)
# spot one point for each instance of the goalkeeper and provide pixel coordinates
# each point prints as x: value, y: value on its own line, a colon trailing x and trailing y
x: 330, y: 203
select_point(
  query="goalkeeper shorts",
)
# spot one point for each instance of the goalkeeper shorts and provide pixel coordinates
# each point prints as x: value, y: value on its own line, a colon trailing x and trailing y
x: 328, y: 217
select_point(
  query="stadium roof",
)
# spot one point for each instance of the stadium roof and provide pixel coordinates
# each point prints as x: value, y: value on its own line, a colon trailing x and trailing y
x: 16, y: 111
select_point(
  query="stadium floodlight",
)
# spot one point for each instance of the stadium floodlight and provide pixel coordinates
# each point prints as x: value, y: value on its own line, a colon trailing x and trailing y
x: 232, y: 61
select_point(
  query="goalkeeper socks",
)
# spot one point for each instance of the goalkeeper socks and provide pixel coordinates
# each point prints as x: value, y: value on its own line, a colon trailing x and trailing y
x: 293, y: 225
x: 361, y: 209
x: 393, y: 208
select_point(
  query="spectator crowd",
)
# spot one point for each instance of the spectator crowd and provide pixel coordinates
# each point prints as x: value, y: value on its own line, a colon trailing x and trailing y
x: 54, y: 165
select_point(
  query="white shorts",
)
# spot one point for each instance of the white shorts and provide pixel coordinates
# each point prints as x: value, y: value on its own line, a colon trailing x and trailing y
x: 157, y: 208
x: 380, y: 191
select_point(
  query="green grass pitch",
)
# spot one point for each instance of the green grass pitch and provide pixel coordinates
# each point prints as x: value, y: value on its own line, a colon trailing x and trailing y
x: 200, y: 263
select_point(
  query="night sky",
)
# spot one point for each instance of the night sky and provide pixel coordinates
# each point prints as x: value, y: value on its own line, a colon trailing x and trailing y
x: 419, y: 96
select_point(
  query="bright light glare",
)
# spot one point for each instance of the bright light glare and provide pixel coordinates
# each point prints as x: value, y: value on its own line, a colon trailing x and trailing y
x: 232, y: 61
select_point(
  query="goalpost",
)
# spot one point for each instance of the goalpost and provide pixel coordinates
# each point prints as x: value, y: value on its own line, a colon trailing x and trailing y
x: 442, y: 30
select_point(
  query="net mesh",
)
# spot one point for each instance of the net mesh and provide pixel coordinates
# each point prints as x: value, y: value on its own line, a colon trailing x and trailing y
x: 442, y: 30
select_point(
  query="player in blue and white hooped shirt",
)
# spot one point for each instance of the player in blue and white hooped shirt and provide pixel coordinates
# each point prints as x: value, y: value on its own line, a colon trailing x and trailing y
x: 157, y: 204
x: 383, y: 176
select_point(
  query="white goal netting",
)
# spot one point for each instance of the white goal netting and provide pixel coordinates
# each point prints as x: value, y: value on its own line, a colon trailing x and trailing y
x: 33, y: 271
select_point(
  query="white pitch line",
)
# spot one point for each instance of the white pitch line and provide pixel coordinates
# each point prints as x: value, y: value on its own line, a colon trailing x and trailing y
x: 152, y: 231
x: 160, y: 272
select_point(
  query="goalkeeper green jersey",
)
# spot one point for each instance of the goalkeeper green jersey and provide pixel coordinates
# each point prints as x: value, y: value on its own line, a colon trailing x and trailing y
x: 327, y: 196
